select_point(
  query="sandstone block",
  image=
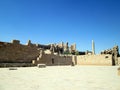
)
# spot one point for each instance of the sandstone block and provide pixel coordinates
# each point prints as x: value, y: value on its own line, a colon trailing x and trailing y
x: 38, y: 58
x: 41, y: 65
x: 33, y: 61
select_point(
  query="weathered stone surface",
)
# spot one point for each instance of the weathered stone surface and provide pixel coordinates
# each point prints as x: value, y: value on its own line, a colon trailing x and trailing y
x: 93, y: 60
x: 72, y: 64
x: 17, y: 53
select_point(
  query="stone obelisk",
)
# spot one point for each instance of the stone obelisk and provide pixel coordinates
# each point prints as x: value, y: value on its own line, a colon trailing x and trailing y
x: 93, y: 47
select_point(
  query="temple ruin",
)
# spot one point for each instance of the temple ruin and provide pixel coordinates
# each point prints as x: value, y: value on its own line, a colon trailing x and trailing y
x: 16, y: 54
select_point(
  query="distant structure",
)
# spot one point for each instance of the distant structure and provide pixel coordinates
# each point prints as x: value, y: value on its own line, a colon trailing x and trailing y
x: 59, y: 48
x: 29, y: 42
x: 93, y: 47
x: 73, y: 48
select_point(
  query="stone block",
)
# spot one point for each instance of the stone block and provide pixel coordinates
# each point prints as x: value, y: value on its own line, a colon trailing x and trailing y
x: 72, y: 64
x: 41, y: 65
x: 12, y: 68
x: 33, y: 61
x: 38, y: 58
x: 15, y: 41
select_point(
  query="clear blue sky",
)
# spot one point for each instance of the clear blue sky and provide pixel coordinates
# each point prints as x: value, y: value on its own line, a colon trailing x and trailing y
x: 53, y: 21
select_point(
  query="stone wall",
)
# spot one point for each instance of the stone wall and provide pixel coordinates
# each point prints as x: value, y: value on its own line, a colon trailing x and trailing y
x: 118, y: 60
x: 50, y: 59
x: 92, y: 60
x: 17, y: 53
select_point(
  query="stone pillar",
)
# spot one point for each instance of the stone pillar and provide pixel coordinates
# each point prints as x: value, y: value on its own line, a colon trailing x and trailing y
x: 52, y: 48
x: 74, y: 59
x: 62, y: 44
x: 74, y: 46
x: 66, y: 47
x: 29, y: 42
x: 93, y: 47
x: 116, y: 54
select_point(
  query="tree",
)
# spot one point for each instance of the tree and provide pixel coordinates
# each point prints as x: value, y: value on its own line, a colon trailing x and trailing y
x: 77, y: 53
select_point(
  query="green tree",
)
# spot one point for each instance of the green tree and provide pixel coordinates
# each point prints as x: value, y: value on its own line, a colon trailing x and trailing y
x: 77, y: 53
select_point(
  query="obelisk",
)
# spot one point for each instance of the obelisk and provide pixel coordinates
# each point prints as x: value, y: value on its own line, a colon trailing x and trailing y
x: 93, y: 47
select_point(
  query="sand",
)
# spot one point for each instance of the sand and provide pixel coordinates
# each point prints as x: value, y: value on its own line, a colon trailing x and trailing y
x: 60, y: 78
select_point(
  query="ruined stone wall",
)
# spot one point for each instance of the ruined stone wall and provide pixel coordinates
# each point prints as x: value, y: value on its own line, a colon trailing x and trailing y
x: 93, y: 60
x: 77, y: 60
x: 118, y: 60
x: 50, y: 59
x: 15, y: 52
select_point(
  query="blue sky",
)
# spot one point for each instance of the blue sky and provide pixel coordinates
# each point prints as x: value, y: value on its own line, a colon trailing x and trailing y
x: 54, y: 21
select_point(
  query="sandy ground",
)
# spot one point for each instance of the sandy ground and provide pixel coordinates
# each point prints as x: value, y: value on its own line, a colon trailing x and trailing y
x: 60, y: 78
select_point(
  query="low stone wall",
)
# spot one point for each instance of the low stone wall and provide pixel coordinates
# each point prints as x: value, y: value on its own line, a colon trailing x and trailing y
x: 93, y: 60
x: 49, y: 59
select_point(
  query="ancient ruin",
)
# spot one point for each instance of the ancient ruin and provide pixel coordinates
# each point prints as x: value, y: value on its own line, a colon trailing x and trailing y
x: 17, y: 54
x: 115, y: 54
x: 119, y: 71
